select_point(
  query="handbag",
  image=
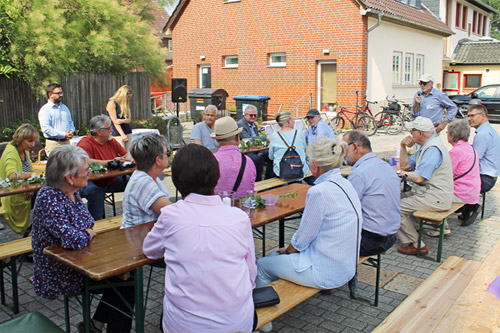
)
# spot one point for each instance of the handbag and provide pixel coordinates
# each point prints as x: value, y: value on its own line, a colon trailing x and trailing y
x: 291, y: 165
x: 265, y: 296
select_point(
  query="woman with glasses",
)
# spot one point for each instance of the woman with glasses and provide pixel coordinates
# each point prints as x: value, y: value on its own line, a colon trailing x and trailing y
x: 287, y: 136
x: 15, y: 165
x: 118, y: 108
x: 60, y: 217
x: 145, y: 194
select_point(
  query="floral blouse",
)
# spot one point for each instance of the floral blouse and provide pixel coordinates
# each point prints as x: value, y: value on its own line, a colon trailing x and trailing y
x: 58, y: 221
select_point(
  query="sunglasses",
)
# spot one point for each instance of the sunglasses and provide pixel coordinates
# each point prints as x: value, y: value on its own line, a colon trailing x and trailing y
x: 252, y: 115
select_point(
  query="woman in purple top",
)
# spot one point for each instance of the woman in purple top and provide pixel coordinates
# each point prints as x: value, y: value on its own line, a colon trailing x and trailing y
x: 208, y: 250
x: 60, y: 217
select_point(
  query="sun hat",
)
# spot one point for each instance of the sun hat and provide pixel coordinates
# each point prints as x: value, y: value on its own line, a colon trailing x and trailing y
x: 420, y: 124
x: 426, y: 78
x: 312, y: 113
x: 225, y: 127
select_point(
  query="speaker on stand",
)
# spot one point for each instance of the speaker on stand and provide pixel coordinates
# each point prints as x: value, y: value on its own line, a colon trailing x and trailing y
x: 179, y: 92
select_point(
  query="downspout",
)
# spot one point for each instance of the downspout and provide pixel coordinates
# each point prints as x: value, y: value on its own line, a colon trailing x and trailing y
x: 378, y: 23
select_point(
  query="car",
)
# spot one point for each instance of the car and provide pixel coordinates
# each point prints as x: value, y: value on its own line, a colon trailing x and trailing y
x: 488, y: 95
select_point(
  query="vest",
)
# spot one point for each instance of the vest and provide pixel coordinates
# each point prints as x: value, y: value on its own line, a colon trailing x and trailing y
x: 438, y: 191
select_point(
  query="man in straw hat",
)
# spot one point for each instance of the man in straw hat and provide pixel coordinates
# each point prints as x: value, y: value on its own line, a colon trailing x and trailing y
x: 430, y: 171
x: 237, y: 171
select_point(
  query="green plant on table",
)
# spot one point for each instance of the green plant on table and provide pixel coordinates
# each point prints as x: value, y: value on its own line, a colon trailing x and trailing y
x: 33, y: 179
x: 96, y: 167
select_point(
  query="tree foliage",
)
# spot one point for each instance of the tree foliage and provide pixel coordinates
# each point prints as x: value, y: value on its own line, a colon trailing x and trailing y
x: 44, y: 40
x: 495, y: 18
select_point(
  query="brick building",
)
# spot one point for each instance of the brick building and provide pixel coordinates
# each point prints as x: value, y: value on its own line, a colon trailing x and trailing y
x: 286, y: 49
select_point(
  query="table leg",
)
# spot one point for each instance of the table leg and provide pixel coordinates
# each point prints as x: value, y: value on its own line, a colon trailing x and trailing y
x: 86, y: 303
x: 281, y: 233
x: 15, y: 291
x: 139, y: 301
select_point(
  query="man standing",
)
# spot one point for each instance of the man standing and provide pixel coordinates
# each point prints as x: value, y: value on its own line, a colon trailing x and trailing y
x: 317, y: 127
x: 145, y: 194
x: 237, y: 172
x: 487, y: 145
x: 102, y: 148
x: 431, y: 172
x: 431, y: 103
x: 251, y: 131
x: 55, y: 119
x: 378, y: 188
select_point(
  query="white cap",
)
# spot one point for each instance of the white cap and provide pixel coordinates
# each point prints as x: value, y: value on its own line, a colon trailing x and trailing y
x: 426, y: 78
x: 420, y: 124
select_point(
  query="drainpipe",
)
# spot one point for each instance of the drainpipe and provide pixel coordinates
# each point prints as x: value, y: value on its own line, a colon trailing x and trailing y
x: 378, y: 23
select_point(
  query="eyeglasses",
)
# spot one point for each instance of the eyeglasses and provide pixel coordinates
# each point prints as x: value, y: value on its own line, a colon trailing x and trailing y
x: 168, y: 153
x: 84, y: 171
x: 252, y: 115
x: 105, y: 128
x: 471, y: 115
x: 422, y: 83
x: 57, y: 92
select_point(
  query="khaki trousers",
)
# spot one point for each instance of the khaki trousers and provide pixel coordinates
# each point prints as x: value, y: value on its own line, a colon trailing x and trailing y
x: 125, y: 145
x: 410, y: 204
x: 50, y: 145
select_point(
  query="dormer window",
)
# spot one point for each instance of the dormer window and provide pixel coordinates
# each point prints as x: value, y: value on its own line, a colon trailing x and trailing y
x: 414, y: 3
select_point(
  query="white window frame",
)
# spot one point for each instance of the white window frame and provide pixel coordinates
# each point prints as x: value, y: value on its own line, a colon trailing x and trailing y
x: 169, y: 45
x: 408, y: 69
x: 228, y: 64
x: 419, y: 66
x: 273, y: 63
x: 396, y: 68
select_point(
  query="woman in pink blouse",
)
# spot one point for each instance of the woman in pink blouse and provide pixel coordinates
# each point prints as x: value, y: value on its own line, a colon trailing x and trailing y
x: 208, y: 250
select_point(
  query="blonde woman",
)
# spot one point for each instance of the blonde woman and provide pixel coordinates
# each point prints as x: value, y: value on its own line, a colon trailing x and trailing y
x: 119, y: 111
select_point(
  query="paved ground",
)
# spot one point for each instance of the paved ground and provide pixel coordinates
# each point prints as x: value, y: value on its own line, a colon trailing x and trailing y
x: 322, y: 313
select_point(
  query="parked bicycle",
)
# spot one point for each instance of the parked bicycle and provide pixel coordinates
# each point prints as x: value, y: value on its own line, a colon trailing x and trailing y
x: 386, y: 120
x: 358, y: 121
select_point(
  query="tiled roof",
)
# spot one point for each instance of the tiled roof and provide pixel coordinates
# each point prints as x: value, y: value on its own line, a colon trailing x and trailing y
x: 161, y: 17
x: 397, y: 11
x: 478, y: 52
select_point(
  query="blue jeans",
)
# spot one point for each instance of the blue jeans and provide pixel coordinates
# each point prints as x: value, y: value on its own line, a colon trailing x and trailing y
x: 487, y: 183
x: 279, y: 266
x: 259, y: 159
x: 370, y: 246
x: 95, y: 195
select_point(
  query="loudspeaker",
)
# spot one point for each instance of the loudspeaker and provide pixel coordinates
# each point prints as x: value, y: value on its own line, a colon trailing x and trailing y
x: 179, y: 90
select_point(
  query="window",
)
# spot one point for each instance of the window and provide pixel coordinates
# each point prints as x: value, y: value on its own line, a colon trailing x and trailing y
x: 408, y: 68
x: 472, y: 80
x: 479, y: 23
x: 396, y: 68
x: 474, y: 21
x: 419, y: 66
x: 231, y: 61
x: 484, y: 25
x: 458, y: 16
x: 464, y: 17
x: 277, y: 59
x: 169, y: 45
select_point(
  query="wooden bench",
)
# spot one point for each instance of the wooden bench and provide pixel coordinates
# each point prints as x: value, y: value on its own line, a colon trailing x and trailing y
x: 292, y: 294
x: 429, y: 218
x: 427, y: 305
x: 270, y: 183
x: 10, y: 251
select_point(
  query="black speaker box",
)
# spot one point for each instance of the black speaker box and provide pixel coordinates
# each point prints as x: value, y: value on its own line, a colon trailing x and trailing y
x: 179, y: 90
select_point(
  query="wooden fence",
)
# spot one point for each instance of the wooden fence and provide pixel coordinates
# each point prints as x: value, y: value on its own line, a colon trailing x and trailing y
x: 85, y: 94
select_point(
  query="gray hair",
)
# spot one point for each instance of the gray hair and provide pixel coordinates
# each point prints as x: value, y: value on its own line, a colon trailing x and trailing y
x: 479, y: 107
x: 230, y: 139
x: 145, y: 150
x: 64, y: 160
x: 97, y: 122
x: 359, y: 137
x: 211, y: 107
x: 282, y: 118
x: 459, y: 129
x: 250, y: 107
x: 323, y: 152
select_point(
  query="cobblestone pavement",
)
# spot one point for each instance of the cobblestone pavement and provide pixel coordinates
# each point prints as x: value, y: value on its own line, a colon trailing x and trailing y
x: 322, y: 313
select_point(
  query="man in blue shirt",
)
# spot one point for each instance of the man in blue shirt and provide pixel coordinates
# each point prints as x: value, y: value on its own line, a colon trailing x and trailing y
x: 431, y: 103
x: 251, y: 131
x: 378, y: 188
x: 317, y: 127
x: 430, y: 171
x: 487, y: 145
x: 55, y: 119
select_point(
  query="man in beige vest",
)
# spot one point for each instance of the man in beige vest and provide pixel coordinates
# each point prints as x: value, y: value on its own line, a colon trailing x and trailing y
x: 430, y: 172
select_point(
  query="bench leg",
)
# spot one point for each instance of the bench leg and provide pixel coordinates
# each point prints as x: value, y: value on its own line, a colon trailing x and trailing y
x: 281, y: 233
x: 420, y: 231
x: 2, y: 287
x: 66, y: 314
x: 86, y: 304
x: 482, y: 206
x: 441, y: 238
x: 15, y: 291
x: 377, y: 282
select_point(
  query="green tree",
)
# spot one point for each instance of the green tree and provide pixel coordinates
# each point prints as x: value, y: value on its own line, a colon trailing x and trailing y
x: 44, y: 40
x: 495, y: 18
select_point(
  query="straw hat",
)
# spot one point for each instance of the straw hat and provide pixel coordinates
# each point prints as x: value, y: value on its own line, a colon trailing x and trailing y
x: 225, y: 127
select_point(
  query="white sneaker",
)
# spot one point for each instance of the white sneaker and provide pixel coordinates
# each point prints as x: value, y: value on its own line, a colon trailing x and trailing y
x: 435, y: 233
x: 267, y: 327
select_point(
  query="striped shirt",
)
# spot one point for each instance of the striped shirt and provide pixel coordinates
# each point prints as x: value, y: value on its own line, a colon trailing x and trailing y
x: 329, y: 234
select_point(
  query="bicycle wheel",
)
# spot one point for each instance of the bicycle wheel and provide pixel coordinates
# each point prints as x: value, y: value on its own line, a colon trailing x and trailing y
x: 367, y: 124
x: 337, y: 124
x: 407, y: 117
x: 395, y: 124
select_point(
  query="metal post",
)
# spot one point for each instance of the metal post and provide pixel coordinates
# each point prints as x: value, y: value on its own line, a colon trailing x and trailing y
x: 282, y: 233
x: 86, y: 304
x: 139, y: 305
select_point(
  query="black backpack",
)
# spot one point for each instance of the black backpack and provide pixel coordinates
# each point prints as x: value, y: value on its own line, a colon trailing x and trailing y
x: 291, y: 164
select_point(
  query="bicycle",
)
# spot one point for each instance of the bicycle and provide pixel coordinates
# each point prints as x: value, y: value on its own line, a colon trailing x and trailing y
x: 386, y: 119
x: 359, y: 121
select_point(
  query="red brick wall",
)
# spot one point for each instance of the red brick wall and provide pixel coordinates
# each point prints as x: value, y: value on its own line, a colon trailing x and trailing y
x: 254, y: 28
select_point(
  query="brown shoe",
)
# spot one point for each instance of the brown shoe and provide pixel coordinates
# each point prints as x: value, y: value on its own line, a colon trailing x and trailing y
x: 412, y: 250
